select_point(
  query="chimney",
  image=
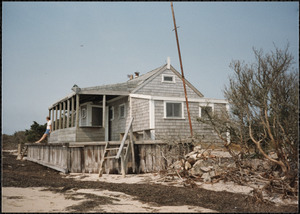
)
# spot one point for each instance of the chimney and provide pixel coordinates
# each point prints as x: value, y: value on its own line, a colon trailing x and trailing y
x: 130, y: 76
x: 168, y: 63
x: 137, y: 74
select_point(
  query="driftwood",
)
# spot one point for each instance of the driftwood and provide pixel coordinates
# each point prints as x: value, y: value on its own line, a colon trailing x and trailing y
x: 259, y: 174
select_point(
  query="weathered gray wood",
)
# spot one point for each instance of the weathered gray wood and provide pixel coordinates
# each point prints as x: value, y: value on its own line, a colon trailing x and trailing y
x: 49, y: 165
x: 124, y: 138
x: 131, y: 143
x: 60, y: 113
x: 68, y: 113
x: 123, y: 164
x: 142, y: 154
x: 88, y: 157
x: 101, y: 168
x: 19, y: 152
x: 148, y: 160
x: 52, y: 118
x: 56, y: 112
x: 103, y: 111
x: 64, y: 115
x: 72, y: 106
x: 77, y: 111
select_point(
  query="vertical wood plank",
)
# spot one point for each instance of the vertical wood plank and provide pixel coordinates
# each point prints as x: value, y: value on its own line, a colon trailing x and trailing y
x: 52, y: 118
x: 64, y: 115
x: 142, y: 168
x: 56, y: 112
x: 60, y: 121
x: 103, y: 111
x: 68, y: 113
x: 72, y: 117
x: 77, y: 111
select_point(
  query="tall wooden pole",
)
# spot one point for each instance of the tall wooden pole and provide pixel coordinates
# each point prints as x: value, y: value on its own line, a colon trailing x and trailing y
x: 182, y: 74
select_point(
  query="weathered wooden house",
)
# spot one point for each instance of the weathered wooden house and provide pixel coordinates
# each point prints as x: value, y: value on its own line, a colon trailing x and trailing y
x: 88, y: 118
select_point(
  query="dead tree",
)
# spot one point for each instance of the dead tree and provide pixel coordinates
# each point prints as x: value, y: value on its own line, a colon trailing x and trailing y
x: 264, y: 109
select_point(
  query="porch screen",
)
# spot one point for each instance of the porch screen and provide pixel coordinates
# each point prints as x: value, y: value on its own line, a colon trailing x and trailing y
x: 96, y: 116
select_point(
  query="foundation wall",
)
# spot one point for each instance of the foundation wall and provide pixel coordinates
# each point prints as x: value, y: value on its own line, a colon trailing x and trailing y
x: 150, y: 156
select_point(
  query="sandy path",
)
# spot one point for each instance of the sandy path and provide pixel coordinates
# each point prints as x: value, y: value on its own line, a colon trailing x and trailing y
x: 38, y: 200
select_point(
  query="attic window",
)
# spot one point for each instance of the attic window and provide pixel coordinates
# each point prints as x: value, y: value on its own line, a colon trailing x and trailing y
x: 168, y: 78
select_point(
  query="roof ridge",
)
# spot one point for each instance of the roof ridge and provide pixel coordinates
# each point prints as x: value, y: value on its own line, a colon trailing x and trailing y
x: 138, y: 80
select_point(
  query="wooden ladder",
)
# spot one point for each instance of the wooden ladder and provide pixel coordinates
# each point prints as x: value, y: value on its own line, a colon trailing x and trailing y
x: 120, y: 154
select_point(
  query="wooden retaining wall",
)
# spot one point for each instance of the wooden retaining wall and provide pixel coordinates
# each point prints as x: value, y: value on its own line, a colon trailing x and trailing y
x: 150, y: 156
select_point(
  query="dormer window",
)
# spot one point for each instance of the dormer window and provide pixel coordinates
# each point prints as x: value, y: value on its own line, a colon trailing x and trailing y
x: 168, y: 78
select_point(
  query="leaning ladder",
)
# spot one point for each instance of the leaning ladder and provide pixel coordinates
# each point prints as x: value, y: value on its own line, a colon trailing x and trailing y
x: 120, y: 154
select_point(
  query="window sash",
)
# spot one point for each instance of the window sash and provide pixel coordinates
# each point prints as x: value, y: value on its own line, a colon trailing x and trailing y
x: 122, y: 111
x: 206, y: 110
x: 168, y: 78
x: 173, y: 110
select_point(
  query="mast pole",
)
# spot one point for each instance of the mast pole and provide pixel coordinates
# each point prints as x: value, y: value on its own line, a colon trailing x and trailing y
x: 182, y: 74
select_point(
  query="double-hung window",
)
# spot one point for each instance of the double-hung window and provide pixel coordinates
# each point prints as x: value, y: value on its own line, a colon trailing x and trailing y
x: 173, y: 110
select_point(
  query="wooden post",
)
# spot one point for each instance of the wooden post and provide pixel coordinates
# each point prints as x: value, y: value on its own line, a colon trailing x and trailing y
x: 64, y: 114
x: 19, y: 152
x: 103, y: 111
x: 60, y: 107
x: 52, y: 118
x: 132, y: 148
x: 123, y: 165
x: 68, y: 113
x: 72, y: 116
x: 77, y: 111
x: 56, y: 111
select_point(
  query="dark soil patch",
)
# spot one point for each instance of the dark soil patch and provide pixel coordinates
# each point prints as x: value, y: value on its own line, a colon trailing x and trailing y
x: 28, y: 174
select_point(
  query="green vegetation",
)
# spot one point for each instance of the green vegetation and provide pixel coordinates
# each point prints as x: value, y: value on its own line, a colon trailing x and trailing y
x: 10, y: 142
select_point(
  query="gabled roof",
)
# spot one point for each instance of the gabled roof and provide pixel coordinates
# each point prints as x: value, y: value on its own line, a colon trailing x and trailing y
x: 131, y: 86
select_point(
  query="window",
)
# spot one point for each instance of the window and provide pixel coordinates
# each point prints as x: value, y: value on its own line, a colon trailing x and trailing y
x: 122, y: 111
x: 83, y: 115
x: 83, y: 112
x: 205, y: 111
x: 91, y: 115
x: 97, y: 116
x: 168, y: 78
x: 111, y: 113
x: 173, y: 110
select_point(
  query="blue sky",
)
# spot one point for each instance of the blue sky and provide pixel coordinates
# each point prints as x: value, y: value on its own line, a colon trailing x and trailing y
x: 47, y: 47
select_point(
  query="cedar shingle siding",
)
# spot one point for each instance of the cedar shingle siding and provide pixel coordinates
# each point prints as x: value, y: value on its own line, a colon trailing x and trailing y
x: 144, y: 99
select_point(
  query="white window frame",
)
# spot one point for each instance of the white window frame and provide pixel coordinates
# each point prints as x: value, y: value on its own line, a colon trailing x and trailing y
x: 203, y: 105
x: 120, y: 106
x: 83, y: 112
x: 168, y: 75
x: 165, y: 110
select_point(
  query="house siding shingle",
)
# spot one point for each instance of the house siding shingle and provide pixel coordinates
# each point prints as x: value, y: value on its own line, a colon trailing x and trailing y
x: 156, y: 87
